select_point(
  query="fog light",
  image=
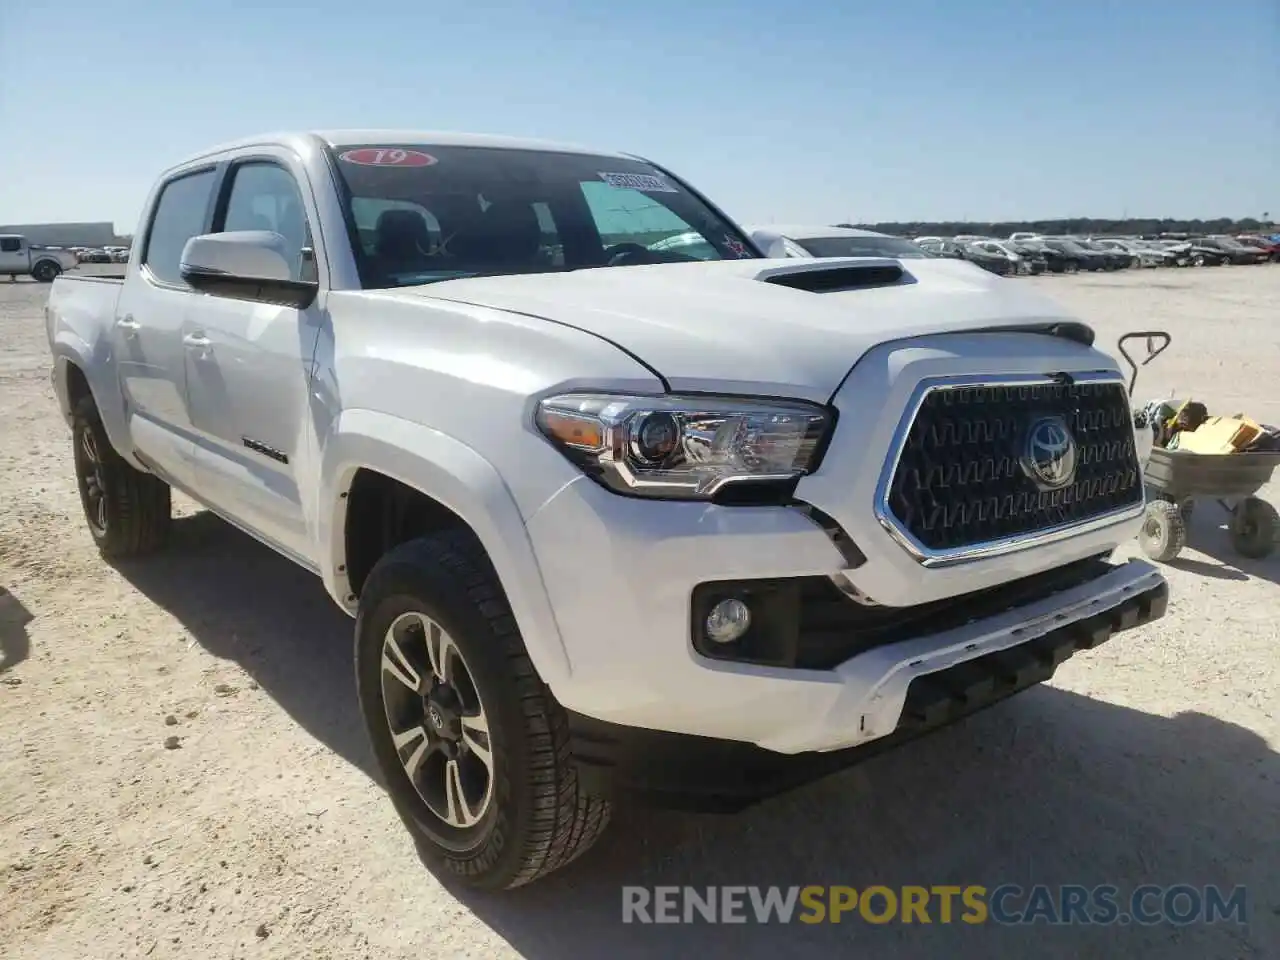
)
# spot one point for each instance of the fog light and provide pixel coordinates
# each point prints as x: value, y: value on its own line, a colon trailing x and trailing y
x: 728, y: 620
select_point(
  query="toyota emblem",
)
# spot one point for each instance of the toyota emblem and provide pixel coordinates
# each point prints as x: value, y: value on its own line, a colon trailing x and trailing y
x: 1049, y: 456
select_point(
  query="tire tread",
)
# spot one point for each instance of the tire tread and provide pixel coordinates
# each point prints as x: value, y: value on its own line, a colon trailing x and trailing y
x: 564, y: 821
x: 142, y: 502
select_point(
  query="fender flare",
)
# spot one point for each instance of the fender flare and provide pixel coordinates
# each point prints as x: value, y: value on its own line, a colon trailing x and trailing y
x: 100, y: 372
x: 450, y: 471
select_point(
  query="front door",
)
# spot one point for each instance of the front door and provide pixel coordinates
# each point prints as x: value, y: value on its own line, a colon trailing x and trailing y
x: 249, y: 371
x: 13, y: 256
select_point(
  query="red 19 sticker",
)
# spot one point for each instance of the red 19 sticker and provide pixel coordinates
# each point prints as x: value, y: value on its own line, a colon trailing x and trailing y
x: 387, y: 157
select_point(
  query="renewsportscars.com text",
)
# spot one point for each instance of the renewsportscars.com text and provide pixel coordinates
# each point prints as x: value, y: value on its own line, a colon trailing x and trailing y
x: 1007, y: 904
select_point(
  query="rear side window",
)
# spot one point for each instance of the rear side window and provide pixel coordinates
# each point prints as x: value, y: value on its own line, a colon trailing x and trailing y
x: 10, y: 245
x: 180, y: 215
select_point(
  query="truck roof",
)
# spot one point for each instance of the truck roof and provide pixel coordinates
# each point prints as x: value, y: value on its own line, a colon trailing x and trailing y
x: 300, y: 140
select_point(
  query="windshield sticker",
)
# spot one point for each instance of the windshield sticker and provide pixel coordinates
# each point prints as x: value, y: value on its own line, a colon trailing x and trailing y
x: 388, y: 157
x: 736, y: 247
x: 648, y: 182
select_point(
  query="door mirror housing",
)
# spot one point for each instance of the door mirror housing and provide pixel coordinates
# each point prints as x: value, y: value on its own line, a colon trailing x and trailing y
x: 246, y: 265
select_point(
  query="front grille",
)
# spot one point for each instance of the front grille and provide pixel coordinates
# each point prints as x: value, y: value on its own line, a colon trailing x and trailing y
x: 960, y: 480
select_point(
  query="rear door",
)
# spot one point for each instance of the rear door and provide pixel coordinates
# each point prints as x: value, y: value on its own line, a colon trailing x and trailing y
x: 151, y: 357
x: 249, y: 364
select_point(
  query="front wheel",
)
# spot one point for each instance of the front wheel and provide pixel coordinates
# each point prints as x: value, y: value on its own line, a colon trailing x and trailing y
x: 128, y: 511
x: 473, y: 748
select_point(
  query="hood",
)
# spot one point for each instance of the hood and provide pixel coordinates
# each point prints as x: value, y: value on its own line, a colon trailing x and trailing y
x: 772, y: 327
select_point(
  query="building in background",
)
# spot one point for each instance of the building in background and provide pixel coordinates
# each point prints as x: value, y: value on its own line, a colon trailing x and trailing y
x: 64, y: 234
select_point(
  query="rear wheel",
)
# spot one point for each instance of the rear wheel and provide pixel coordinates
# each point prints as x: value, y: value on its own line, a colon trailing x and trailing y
x: 1164, y: 531
x: 46, y: 271
x: 128, y: 511
x: 473, y: 748
x: 1254, y: 527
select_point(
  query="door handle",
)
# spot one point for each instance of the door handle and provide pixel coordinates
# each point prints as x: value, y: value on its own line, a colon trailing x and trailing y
x: 129, y: 326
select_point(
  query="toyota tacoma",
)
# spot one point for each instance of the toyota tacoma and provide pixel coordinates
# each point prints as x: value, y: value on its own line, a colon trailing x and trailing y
x: 614, y: 516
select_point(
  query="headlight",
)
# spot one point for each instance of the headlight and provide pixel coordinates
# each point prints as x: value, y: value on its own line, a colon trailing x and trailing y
x: 687, y: 448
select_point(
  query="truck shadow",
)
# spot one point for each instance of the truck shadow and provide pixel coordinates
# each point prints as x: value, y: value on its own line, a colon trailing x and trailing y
x: 243, y: 602
x: 1049, y: 788
x: 15, y: 645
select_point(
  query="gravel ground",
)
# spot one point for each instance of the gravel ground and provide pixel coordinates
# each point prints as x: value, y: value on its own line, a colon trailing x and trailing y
x: 262, y: 831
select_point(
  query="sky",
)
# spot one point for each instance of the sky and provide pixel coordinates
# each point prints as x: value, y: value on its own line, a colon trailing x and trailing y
x: 847, y: 110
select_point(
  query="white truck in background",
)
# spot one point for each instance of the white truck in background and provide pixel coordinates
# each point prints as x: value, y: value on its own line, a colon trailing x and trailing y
x: 612, y: 514
x: 19, y: 259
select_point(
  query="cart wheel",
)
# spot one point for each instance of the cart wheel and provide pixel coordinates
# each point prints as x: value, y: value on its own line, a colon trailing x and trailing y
x: 1164, y: 532
x: 1254, y: 526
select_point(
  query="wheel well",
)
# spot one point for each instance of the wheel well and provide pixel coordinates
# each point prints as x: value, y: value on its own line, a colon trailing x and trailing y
x: 77, y: 385
x: 383, y: 513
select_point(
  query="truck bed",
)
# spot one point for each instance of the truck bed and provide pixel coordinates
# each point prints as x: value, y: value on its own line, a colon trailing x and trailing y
x: 82, y: 309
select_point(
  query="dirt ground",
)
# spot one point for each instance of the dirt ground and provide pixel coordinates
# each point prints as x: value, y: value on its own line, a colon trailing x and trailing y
x: 263, y: 834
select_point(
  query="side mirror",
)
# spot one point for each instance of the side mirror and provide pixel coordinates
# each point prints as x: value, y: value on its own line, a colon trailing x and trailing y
x: 245, y: 265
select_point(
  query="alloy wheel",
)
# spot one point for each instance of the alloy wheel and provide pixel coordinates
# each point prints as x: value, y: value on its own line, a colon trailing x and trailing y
x: 437, y: 720
x: 92, y: 481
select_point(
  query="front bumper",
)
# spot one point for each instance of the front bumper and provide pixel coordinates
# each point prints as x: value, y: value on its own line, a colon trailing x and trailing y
x: 707, y: 774
x: 621, y: 575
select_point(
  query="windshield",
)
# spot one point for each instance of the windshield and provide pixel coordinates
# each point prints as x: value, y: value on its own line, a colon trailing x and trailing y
x: 893, y: 247
x: 1068, y: 246
x: 427, y: 213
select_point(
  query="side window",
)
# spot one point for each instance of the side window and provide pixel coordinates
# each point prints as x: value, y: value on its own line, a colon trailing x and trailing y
x: 178, y: 217
x: 265, y: 196
x: 624, y: 215
x: 10, y: 245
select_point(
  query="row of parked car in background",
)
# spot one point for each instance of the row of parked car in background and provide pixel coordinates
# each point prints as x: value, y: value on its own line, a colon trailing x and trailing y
x: 1028, y: 253
x: 1019, y: 254
x: 101, y: 254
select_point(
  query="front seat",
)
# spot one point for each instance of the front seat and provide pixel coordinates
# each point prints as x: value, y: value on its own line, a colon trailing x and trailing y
x: 402, y: 241
x: 506, y: 235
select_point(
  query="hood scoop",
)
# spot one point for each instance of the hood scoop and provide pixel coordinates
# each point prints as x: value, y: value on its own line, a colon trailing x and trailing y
x: 828, y: 277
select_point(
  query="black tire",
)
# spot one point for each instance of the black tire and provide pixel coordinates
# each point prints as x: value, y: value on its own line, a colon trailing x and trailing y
x: 46, y: 271
x: 536, y: 817
x: 127, y: 511
x: 1164, y: 532
x: 1254, y: 527
x: 1198, y: 260
x: 1071, y: 266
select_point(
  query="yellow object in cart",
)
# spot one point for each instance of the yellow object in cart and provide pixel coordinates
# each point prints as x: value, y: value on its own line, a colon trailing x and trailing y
x: 1220, y: 435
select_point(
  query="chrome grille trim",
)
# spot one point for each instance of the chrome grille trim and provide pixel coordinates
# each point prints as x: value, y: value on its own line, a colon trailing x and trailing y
x: 929, y: 557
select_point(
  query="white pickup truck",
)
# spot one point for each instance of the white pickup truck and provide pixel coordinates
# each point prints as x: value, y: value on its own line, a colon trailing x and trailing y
x: 611, y: 517
x: 19, y: 259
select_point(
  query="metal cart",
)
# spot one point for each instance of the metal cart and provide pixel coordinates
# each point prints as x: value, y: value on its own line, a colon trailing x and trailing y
x: 1175, y: 479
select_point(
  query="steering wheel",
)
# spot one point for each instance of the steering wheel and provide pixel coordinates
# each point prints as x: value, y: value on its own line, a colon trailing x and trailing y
x: 616, y: 253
